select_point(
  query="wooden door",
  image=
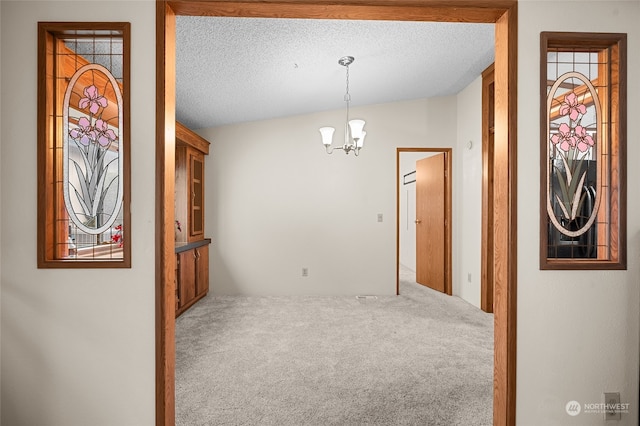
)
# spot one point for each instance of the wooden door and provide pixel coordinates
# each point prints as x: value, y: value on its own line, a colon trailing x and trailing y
x: 430, y: 221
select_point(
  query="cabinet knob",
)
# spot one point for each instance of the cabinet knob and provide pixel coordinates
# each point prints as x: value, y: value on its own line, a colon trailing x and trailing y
x: 417, y: 221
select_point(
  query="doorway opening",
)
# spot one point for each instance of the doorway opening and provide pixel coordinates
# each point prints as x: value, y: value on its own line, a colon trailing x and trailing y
x: 503, y: 13
x: 422, y: 213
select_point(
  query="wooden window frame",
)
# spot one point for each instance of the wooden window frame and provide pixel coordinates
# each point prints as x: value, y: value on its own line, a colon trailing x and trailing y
x: 49, y: 131
x: 614, y: 103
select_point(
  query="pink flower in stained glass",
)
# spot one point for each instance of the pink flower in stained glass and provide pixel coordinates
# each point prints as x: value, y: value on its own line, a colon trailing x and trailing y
x: 104, y: 134
x: 117, y: 237
x: 84, y: 133
x: 584, y: 141
x: 92, y: 99
x: 572, y: 107
x: 564, y: 138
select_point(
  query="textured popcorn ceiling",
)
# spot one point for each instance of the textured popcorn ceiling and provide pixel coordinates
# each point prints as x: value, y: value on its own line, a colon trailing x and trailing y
x: 232, y: 70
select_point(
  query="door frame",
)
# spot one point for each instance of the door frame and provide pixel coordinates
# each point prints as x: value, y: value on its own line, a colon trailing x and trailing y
x: 503, y: 13
x: 447, y: 215
x: 488, y: 131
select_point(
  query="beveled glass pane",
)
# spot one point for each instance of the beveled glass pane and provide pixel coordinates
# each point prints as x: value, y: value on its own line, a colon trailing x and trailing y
x: 92, y: 160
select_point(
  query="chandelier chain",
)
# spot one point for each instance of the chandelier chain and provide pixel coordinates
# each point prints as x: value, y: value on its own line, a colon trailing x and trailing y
x: 347, y: 96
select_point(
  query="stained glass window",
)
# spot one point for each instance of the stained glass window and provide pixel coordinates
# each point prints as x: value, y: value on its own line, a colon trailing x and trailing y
x: 83, y: 178
x: 583, y: 91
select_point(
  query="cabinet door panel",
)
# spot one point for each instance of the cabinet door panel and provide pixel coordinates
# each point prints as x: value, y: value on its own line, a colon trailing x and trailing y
x: 187, y: 271
x: 196, y: 225
x: 202, y: 271
x: 182, y: 195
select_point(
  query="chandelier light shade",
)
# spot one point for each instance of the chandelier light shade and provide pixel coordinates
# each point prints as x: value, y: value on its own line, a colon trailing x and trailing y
x: 327, y: 135
x: 353, y: 129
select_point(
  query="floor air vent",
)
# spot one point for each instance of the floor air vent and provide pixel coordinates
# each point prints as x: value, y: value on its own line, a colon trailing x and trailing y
x: 366, y: 298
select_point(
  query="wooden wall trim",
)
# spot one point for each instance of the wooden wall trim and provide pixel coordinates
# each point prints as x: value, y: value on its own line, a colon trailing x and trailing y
x: 503, y: 13
x: 184, y: 135
x: 505, y: 220
x: 45, y: 100
x: 488, y: 128
x: 448, y: 235
x: 165, y: 182
x: 404, y: 10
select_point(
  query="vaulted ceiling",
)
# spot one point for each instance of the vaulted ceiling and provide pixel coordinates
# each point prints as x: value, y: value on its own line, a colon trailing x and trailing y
x: 232, y: 70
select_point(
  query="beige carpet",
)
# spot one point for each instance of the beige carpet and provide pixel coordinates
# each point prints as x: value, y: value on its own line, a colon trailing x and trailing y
x: 421, y: 358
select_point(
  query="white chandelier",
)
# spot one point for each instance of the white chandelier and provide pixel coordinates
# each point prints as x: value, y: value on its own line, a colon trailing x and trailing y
x: 353, y: 129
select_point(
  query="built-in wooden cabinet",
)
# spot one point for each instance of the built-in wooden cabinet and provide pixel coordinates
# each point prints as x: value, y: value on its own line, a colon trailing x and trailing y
x: 190, y: 151
x: 192, y: 274
x: 192, y: 249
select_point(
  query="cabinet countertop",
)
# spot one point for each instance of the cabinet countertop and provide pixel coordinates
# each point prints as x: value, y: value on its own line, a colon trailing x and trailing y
x: 180, y: 247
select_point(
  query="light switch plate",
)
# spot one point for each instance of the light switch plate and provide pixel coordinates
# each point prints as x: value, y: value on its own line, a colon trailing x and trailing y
x: 611, y: 401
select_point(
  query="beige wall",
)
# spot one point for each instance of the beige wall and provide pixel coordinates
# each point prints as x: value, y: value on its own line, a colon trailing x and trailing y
x: 577, y: 331
x: 467, y: 199
x: 278, y: 203
x: 469, y: 182
x: 77, y: 345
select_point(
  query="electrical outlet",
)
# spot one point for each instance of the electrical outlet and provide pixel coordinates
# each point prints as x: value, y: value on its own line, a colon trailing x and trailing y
x: 469, y: 276
x: 305, y: 272
x: 612, y: 406
x: 379, y: 217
